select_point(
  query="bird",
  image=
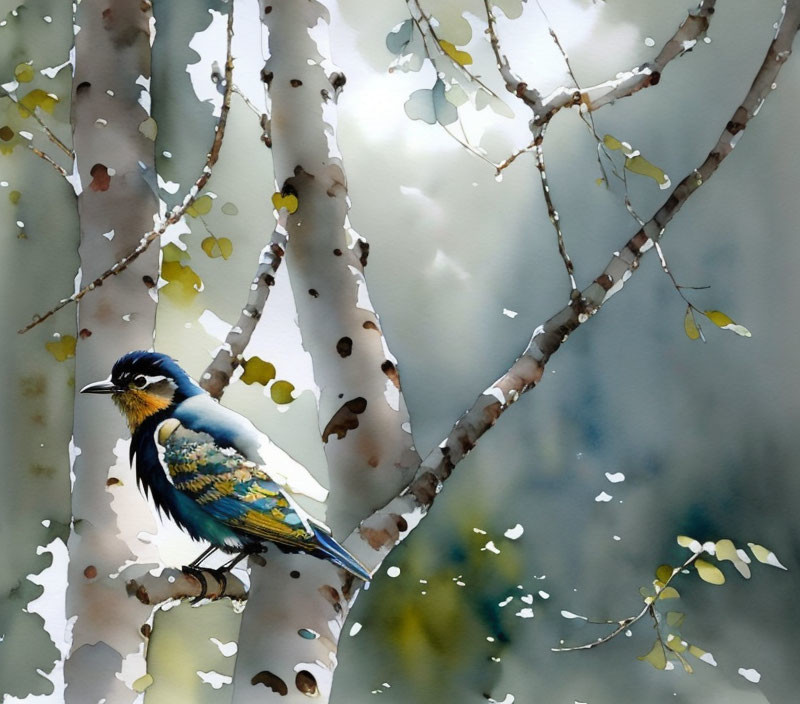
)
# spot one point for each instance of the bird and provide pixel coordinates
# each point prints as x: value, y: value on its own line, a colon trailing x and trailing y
x: 212, y: 471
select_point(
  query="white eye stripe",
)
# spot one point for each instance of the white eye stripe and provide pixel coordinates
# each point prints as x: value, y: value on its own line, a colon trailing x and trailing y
x: 153, y: 380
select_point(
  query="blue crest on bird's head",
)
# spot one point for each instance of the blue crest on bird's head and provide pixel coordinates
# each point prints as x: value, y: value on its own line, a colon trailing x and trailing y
x: 152, y: 365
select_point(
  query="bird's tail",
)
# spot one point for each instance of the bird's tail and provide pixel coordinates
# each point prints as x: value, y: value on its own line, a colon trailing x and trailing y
x: 329, y: 549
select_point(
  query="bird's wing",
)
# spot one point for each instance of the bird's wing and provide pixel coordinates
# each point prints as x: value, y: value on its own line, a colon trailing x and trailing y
x: 230, y: 487
x: 204, y: 414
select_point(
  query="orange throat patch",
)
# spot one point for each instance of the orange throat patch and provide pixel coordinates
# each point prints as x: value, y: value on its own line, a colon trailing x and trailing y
x: 138, y: 406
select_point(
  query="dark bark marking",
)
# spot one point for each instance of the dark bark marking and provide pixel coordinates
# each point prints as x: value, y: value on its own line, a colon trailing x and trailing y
x: 148, y: 281
x: 268, y: 679
x: 330, y: 595
x: 6, y: 133
x: 313, y: 293
x: 90, y: 572
x: 266, y: 76
x: 111, y: 481
x: 269, y: 280
x: 604, y: 281
x: 295, y: 83
x: 84, y: 333
x: 337, y: 252
x: 344, y: 347
x: 345, y: 419
x: 364, y: 246
x: 82, y: 86
x: 390, y: 370
x: 369, y: 325
x: 146, y: 630
x: 100, y: 178
x: 306, y: 683
x: 267, y: 9
x: 294, y: 574
x: 337, y: 80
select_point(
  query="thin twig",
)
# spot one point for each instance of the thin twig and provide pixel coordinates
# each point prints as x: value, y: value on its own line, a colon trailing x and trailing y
x: 61, y: 170
x: 513, y: 157
x: 626, y: 623
x: 177, y: 212
x: 50, y: 134
x: 552, y: 213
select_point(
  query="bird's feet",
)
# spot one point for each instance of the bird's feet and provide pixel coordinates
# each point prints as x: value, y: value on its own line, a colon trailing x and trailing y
x: 197, y: 573
x: 219, y: 575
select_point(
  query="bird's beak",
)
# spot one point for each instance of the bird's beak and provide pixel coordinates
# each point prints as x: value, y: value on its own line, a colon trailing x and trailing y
x: 100, y: 387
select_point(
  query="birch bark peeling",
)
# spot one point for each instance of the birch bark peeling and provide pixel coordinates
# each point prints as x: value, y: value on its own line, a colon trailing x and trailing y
x: 363, y: 416
x: 115, y: 206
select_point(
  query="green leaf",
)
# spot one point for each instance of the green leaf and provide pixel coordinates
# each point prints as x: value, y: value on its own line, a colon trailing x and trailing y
x: 709, y: 573
x: 612, y: 142
x: 230, y: 209
x: 723, y: 321
x: 675, y: 618
x: 663, y: 573
x: 686, y: 542
x: 217, y: 247
x: 201, y: 206
x: 639, y: 165
x: 675, y: 644
x: 257, y: 371
x: 24, y: 73
x: 656, y: 657
x: 669, y: 593
x: 690, y: 325
x: 149, y: 128
x: 281, y: 392
x: 14, y: 197
x: 142, y: 683
x: 173, y: 253
x: 765, y: 555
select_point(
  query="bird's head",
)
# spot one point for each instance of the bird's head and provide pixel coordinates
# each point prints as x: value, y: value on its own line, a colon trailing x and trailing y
x: 143, y: 383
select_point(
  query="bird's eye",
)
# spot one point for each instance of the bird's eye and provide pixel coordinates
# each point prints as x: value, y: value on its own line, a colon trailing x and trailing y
x: 140, y: 381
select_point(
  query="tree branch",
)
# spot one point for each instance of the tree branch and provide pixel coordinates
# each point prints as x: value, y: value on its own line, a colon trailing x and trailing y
x: 218, y: 373
x: 177, y: 212
x: 639, y: 77
x: 373, y: 539
x: 174, y: 584
x: 46, y: 157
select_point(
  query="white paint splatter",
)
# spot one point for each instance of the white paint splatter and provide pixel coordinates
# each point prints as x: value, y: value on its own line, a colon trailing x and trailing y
x: 491, y: 547
x: 515, y: 532
x: 355, y: 629
x: 602, y: 497
x: 616, y: 477
x: 751, y: 675
x: 393, y: 571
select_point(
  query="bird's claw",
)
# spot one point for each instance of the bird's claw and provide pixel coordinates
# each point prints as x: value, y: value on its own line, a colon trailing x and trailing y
x: 222, y: 580
x: 197, y: 573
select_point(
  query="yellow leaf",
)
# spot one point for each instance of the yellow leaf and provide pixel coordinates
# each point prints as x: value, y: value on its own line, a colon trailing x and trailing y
x: 24, y: 73
x: 663, y: 573
x: 723, y: 321
x: 142, y: 683
x: 202, y: 206
x: 183, y: 282
x: 217, y: 247
x: 63, y: 348
x: 669, y: 593
x: 686, y: 542
x: 765, y: 555
x: 173, y: 253
x: 656, y: 657
x: 149, y: 128
x: 289, y: 202
x: 639, y: 165
x: 281, y: 392
x: 709, y: 573
x: 37, y: 98
x: 460, y: 57
x: 690, y: 325
x: 14, y: 197
x: 257, y: 371
x: 612, y: 142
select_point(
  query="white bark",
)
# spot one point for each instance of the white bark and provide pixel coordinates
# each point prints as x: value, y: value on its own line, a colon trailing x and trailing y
x: 116, y: 205
x: 363, y: 417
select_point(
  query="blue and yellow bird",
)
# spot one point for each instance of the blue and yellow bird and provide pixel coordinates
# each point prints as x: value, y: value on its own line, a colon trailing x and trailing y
x: 211, y: 470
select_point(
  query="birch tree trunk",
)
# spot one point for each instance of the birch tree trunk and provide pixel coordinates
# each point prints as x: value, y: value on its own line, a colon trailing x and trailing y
x: 362, y: 414
x: 116, y: 206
